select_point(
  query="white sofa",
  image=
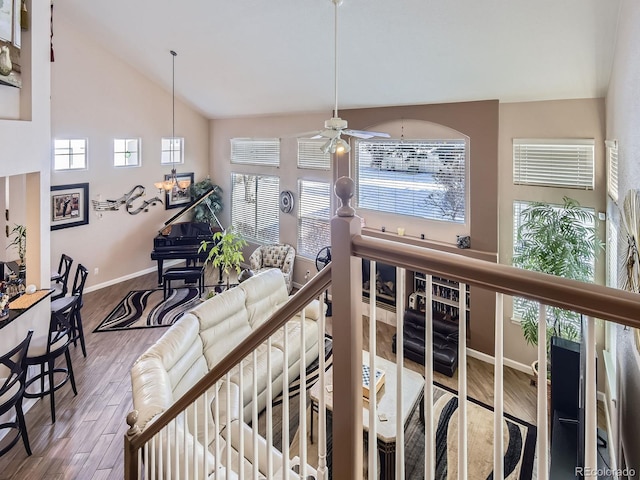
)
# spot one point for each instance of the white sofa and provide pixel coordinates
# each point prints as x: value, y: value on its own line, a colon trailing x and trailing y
x: 197, y: 342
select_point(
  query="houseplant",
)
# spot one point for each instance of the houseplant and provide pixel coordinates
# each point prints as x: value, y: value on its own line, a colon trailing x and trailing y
x: 226, y: 251
x: 19, y: 239
x: 557, y: 240
x: 205, y: 211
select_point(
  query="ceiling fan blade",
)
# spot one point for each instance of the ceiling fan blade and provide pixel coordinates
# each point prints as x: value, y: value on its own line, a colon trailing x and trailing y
x: 314, y: 134
x: 365, y: 134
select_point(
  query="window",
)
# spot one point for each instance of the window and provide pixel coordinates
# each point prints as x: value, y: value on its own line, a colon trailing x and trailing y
x: 256, y: 151
x: 310, y: 155
x: 314, y: 214
x: 519, y: 304
x: 172, y: 150
x: 70, y: 154
x: 126, y: 152
x: 612, y: 169
x: 553, y: 163
x: 421, y: 178
x: 255, y: 207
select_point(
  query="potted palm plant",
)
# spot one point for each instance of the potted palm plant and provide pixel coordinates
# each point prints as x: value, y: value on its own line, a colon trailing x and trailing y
x: 225, y: 251
x: 558, y: 240
x: 19, y: 239
x: 206, y: 210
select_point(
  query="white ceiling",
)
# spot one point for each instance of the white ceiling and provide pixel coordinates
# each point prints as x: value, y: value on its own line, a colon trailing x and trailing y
x: 255, y: 57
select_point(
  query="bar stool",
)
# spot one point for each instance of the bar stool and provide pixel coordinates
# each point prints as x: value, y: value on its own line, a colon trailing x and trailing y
x: 64, y: 304
x: 45, y: 349
x: 61, y: 277
x: 12, y: 391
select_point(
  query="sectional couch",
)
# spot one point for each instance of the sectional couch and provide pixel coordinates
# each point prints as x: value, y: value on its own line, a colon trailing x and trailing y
x: 197, y: 342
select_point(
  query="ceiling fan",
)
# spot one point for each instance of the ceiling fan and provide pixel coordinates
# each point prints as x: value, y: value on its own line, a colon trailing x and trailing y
x: 336, y: 126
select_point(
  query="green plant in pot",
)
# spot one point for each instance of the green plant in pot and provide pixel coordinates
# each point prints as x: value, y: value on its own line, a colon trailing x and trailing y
x: 558, y: 240
x: 19, y: 239
x: 225, y: 251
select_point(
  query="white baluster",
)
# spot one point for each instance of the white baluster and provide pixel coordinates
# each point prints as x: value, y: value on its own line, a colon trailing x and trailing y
x: 241, y: 435
x: 152, y: 474
x: 590, y: 401
x: 372, y: 456
x: 160, y: 455
x: 140, y: 460
x: 194, y: 450
x: 462, y: 383
x: 254, y: 414
x: 285, y: 404
x: 400, y: 292
x: 216, y: 421
x: 205, y: 447
x: 302, y: 414
x: 185, y: 445
x: 270, y: 409
x: 322, y: 473
x: 147, y: 463
x: 498, y: 391
x: 429, y: 444
x: 228, y: 415
x: 543, y: 414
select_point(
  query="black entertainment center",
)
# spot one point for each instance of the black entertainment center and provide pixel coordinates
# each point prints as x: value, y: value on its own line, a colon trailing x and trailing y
x: 568, y: 366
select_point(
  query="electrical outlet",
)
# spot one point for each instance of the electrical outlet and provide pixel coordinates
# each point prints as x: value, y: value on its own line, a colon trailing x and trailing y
x: 96, y: 271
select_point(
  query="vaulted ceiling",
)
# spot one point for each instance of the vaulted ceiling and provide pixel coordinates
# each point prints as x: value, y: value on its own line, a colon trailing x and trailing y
x: 255, y: 57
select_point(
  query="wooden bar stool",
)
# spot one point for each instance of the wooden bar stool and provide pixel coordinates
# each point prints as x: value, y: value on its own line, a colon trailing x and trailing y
x: 187, y: 274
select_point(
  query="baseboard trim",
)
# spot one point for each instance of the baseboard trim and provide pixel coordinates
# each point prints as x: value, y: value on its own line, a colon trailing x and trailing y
x: 506, y: 361
x: 99, y: 286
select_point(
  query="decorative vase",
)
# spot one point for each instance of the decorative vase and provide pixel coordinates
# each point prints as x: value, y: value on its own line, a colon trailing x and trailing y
x: 5, y: 61
x: 22, y: 272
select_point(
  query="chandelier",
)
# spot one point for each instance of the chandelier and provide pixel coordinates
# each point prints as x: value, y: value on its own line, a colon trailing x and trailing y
x: 172, y: 183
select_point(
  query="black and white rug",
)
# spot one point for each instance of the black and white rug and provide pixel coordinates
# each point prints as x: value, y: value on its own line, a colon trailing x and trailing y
x: 148, y: 308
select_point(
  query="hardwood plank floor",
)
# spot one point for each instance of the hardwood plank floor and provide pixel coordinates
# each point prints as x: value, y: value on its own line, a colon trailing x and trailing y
x: 86, y: 442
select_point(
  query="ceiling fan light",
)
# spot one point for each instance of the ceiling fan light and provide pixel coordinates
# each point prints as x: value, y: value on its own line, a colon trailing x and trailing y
x: 342, y: 146
x: 326, y: 148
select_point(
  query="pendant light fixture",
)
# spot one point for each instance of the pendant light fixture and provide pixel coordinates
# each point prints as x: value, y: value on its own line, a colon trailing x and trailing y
x: 172, y: 182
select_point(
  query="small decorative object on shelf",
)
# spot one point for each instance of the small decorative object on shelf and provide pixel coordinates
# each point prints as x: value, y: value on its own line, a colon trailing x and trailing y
x: 383, y: 229
x: 4, y: 303
x: 463, y: 241
x: 366, y: 380
x: 401, y: 231
x: 422, y: 236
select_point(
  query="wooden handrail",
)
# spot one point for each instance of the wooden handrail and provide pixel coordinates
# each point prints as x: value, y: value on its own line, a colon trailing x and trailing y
x: 590, y: 299
x: 308, y: 292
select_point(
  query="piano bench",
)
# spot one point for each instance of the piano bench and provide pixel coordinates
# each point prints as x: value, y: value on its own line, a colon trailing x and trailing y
x: 188, y: 274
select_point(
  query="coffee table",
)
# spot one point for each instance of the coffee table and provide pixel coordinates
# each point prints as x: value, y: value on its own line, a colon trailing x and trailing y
x: 412, y: 396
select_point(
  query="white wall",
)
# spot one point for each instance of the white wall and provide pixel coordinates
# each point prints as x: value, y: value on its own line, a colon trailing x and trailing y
x: 623, y: 124
x: 97, y: 96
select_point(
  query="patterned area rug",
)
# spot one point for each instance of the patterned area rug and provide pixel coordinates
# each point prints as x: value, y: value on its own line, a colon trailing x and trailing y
x: 147, y: 308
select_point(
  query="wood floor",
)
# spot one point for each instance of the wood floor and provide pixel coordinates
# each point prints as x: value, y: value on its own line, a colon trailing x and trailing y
x: 86, y: 442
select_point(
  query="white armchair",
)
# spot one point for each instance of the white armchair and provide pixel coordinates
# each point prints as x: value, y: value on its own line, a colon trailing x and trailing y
x: 279, y: 256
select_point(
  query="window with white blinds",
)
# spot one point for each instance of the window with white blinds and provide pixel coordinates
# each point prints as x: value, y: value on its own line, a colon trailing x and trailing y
x: 256, y: 151
x: 70, y: 154
x: 314, y: 214
x: 126, y: 152
x: 421, y: 178
x: 554, y: 163
x: 255, y: 207
x: 310, y: 155
x: 612, y: 169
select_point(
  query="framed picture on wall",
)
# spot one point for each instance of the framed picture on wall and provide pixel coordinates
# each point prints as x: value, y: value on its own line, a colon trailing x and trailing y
x: 69, y: 205
x: 180, y: 196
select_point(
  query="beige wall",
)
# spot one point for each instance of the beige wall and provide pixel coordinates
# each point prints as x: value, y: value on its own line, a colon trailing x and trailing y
x: 623, y: 124
x: 97, y: 96
x: 552, y: 119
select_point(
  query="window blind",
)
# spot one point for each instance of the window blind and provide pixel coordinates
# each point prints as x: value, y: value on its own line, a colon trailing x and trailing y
x: 314, y: 214
x: 422, y: 178
x: 255, y: 207
x: 256, y: 151
x: 612, y: 169
x: 310, y: 155
x: 554, y: 163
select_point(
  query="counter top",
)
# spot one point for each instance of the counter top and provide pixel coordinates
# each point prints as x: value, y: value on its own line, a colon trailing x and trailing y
x: 23, y: 303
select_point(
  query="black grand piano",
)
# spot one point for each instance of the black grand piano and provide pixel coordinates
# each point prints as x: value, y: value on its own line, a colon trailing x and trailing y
x: 181, y: 240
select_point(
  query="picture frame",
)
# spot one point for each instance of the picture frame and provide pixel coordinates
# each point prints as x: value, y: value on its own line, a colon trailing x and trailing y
x: 179, y: 197
x: 69, y: 205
